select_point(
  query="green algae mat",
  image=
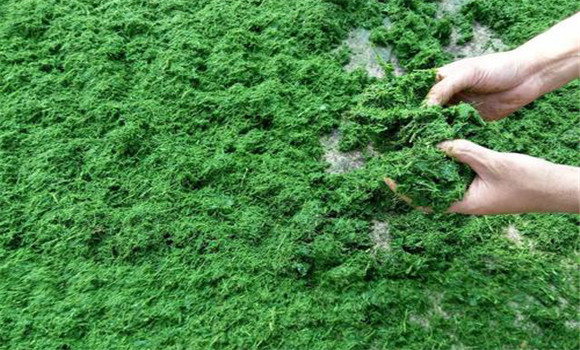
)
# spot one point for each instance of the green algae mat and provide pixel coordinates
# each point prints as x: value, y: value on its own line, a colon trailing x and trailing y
x: 163, y: 184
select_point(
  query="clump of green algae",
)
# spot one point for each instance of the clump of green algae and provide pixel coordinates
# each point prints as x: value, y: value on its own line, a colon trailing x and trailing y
x: 391, y: 117
x: 162, y: 185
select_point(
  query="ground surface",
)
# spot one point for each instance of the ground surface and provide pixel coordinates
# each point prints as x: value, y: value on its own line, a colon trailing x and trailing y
x: 163, y: 184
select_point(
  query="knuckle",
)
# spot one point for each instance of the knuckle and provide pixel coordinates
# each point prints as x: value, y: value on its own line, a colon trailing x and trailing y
x: 461, y: 147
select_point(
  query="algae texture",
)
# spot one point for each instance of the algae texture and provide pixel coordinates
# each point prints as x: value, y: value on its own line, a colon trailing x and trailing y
x: 163, y: 184
x: 391, y: 118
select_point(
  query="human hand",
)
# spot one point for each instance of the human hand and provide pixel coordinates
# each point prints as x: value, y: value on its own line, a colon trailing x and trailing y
x: 495, y: 84
x: 501, y: 83
x: 508, y: 183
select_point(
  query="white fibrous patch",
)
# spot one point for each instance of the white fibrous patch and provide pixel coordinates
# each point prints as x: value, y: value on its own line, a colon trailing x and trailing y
x: 380, y: 236
x: 522, y: 321
x: 449, y: 7
x: 366, y: 55
x: 436, y: 299
x: 514, y: 235
x: 484, y: 42
x: 340, y: 162
x: 419, y: 320
x: 572, y: 324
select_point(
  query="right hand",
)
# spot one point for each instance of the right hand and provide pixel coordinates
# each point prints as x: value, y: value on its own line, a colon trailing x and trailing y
x: 495, y: 84
x: 501, y: 83
x: 509, y: 183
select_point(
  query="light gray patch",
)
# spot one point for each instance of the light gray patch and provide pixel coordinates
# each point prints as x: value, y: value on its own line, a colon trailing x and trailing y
x: 522, y: 321
x: 364, y: 54
x: 484, y: 42
x: 419, y: 320
x: 514, y: 235
x: 459, y: 347
x: 449, y: 7
x: 340, y: 162
x: 380, y: 236
x: 436, y: 312
x: 371, y: 151
x: 563, y: 304
x: 387, y: 22
x: 436, y: 299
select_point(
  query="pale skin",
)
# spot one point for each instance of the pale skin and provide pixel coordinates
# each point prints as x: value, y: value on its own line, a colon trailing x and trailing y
x: 497, y: 85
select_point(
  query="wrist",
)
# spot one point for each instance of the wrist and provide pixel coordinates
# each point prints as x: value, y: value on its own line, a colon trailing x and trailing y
x: 565, y: 192
x: 552, y: 59
x: 560, y: 191
x: 549, y: 70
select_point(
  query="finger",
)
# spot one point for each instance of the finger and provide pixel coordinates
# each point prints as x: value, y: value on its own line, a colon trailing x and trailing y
x: 497, y: 105
x: 469, y: 206
x: 447, y: 87
x: 488, y: 106
x: 460, y: 207
x: 464, y: 206
x: 474, y: 155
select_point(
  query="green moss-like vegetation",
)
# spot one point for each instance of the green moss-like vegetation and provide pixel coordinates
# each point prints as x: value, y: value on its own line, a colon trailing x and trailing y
x: 163, y: 185
x: 391, y: 117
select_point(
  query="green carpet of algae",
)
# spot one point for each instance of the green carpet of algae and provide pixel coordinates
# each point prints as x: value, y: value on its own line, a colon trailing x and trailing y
x: 162, y: 185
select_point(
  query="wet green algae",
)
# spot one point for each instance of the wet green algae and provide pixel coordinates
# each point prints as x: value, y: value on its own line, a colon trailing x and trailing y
x: 162, y: 186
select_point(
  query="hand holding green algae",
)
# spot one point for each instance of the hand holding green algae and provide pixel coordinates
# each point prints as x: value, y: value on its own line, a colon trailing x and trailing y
x: 423, y: 173
x: 426, y: 178
x: 406, y: 133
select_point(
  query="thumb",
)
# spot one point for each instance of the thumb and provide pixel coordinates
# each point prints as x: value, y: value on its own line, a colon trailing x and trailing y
x: 448, y: 86
x: 467, y: 152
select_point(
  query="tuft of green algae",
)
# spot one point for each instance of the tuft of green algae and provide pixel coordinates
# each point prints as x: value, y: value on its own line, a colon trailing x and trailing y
x: 391, y: 118
x: 163, y: 185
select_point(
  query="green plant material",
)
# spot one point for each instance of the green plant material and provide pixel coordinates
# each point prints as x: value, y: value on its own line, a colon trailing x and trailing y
x: 415, y: 33
x: 427, y: 177
x: 163, y: 185
x: 390, y: 116
x: 519, y: 21
x: 463, y: 22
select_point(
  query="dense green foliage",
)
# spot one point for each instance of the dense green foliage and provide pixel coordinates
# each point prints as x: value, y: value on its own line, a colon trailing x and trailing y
x: 390, y: 117
x: 162, y: 185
